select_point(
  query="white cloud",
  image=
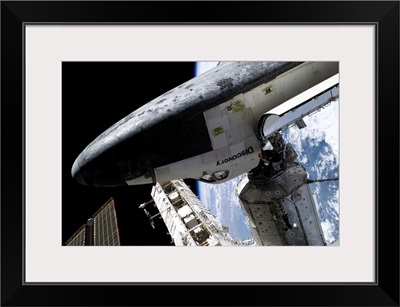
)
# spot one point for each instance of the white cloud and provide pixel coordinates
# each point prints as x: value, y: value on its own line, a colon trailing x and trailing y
x: 328, y: 229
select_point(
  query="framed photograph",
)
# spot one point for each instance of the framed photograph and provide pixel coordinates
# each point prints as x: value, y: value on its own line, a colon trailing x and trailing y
x: 71, y: 70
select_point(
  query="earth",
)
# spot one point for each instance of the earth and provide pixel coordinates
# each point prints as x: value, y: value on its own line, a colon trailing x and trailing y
x: 317, y: 146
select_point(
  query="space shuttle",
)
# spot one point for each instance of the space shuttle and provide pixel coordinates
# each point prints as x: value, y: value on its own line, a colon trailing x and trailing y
x: 212, y: 128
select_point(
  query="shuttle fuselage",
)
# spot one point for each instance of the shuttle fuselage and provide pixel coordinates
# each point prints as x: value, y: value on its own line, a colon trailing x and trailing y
x: 204, y: 129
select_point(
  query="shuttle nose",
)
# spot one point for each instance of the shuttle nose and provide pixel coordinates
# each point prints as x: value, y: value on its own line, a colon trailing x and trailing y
x: 96, y: 172
x: 120, y: 163
x: 128, y: 152
x: 76, y: 173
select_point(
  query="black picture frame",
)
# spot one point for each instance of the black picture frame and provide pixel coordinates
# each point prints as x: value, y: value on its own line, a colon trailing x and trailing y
x: 384, y: 15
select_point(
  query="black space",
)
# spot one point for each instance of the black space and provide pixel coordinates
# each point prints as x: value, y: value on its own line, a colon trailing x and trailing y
x: 95, y: 95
